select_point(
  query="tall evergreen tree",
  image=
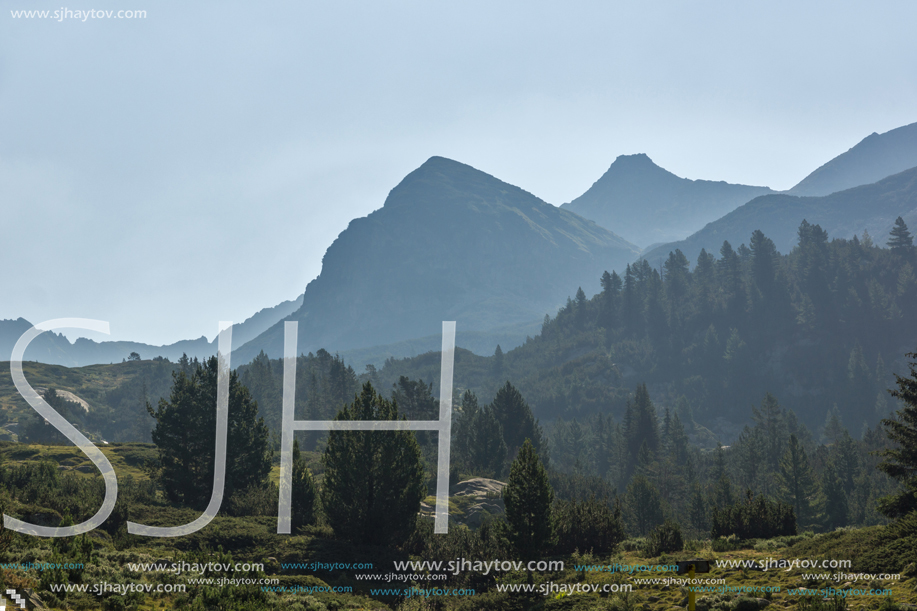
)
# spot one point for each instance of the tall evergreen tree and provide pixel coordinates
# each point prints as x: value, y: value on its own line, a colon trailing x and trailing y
x: 798, y: 481
x: 374, y: 480
x: 834, y: 499
x: 488, y: 450
x: 640, y: 425
x: 516, y: 420
x: 185, y: 436
x: 302, y: 505
x: 498, y: 361
x: 900, y: 461
x: 644, y: 505
x: 900, y: 239
x: 698, y: 509
x: 463, y: 430
x: 528, y: 497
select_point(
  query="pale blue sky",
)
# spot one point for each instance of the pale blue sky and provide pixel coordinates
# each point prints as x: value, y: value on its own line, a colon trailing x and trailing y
x: 193, y: 166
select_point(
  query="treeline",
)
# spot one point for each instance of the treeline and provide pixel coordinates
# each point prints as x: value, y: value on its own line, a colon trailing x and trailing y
x: 828, y: 480
x: 811, y: 326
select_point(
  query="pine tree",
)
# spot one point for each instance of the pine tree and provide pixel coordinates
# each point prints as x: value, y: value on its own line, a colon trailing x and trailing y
x: 834, y: 499
x: 302, y: 510
x: 498, y: 361
x: 798, y: 482
x: 516, y: 420
x: 488, y: 450
x: 834, y: 428
x: 644, y: 505
x: 900, y: 462
x: 730, y: 275
x: 900, y: 239
x: 640, y: 425
x: 185, y: 435
x: 769, y: 421
x: 463, y: 430
x: 609, y: 303
x: 374, y: 480
x: 698, y: 509
x: 528, y: 497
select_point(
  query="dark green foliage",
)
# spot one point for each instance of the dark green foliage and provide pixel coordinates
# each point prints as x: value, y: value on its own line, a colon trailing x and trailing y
x: 35, y: 429
x: 302, y: 510
x: 324, y: 384
x: 185, y: 436
x: 900, y: 462
x: 753, y: 518
x: 592, y: 524
x: 665, y: 538
x: 640, y: 426
x: 797, y: 481
x: 579, y: 486
x: 528, y: 497
x: 488, y: 454
x: 373, y: 481
x: 517, y: 422
x: 834, y: 500
x: 41, y: 484
x: 698, y: 510
x: 814, y: 603
x: 490, y: 540
x: 479, y: 448
x: 644, y: 507
x: 900, y: 239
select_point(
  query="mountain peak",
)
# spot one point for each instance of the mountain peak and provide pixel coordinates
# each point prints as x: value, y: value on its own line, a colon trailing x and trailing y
x: 635, y: 158
x: 646, y: 203
x: 873, y: 158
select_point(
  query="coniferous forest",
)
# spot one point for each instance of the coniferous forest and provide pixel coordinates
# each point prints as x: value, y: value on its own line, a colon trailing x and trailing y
x: 749, y: 402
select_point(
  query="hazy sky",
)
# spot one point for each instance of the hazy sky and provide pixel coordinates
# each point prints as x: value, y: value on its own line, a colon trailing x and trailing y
x: 193, y: 166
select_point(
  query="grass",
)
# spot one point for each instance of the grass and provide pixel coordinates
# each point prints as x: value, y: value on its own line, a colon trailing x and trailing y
x: 254, y: 539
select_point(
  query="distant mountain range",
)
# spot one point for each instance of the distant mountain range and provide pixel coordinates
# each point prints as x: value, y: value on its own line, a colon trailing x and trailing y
x: 454, y: 243
x: 844, y: 214
x: 648, y: 205
x: 56, y: 349
x: 874, y: 158
x: 450, y: 243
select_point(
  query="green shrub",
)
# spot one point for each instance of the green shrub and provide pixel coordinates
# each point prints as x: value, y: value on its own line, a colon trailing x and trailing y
x: 633, y: 545
x: 753, y: 518
x: 664, y: 538
x: 745, y: 604
x: 813, y: 603
x: 728, y: 544
x: 587, y: 525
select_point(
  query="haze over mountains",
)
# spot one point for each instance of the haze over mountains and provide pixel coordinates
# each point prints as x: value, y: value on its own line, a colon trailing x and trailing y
x: 454, y: 243
x: 56, y: 349
x: 450, y: 243
x: 886, y: 160
x: 648, y: 205
x: 844, y: 214
x: 872, y: 159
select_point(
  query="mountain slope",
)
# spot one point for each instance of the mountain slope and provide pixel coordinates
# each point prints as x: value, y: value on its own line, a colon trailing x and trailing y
x: 874, y: 158
x: 647, y: 204
x: 450, y: 243
x: 846, y: 213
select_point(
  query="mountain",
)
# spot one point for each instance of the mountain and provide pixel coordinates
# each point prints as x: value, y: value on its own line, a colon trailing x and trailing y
x: 647, y: 204
x: 56, y: 349
x: 844, y: 214
x: 449, y: 243
x: 874, y: 158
